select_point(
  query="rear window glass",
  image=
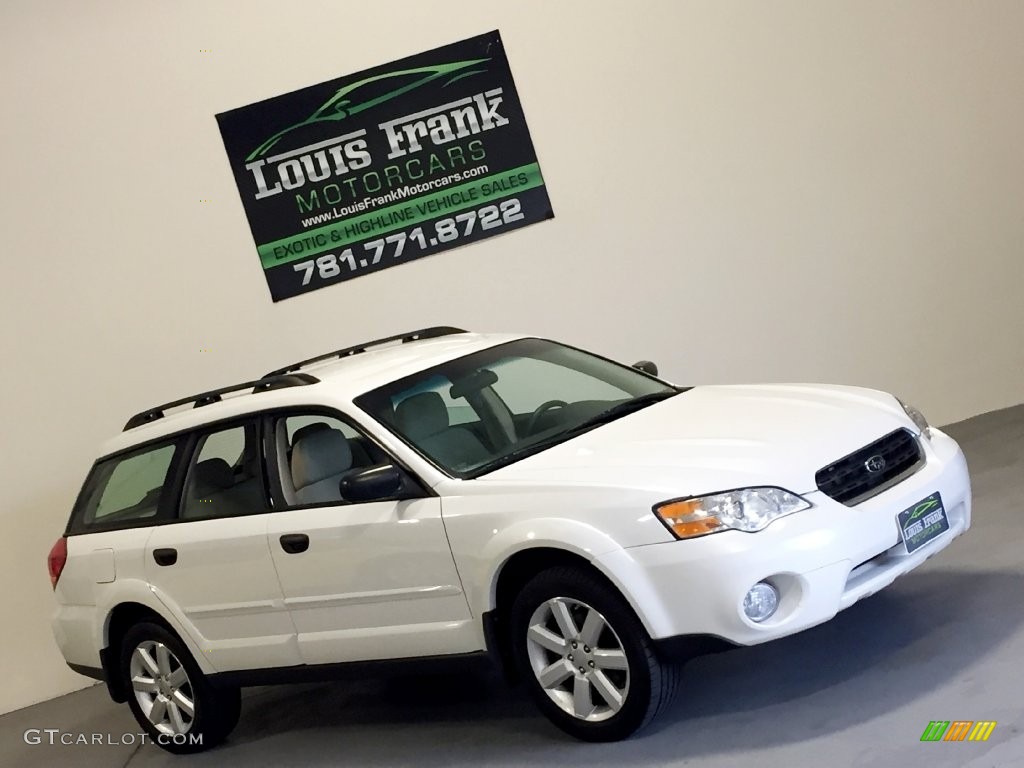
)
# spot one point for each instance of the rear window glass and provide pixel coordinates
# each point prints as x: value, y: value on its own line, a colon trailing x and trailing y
x: 126, y: 489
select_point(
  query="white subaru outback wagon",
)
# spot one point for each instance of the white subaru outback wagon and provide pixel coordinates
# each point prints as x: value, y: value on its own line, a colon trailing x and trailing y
x: 441, y: 494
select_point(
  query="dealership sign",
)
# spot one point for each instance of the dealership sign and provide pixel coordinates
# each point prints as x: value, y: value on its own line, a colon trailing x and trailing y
x: 378, y: 168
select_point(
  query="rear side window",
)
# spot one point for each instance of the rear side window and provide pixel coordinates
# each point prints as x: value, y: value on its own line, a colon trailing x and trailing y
x: 125, y: 490
x: 225, y: 476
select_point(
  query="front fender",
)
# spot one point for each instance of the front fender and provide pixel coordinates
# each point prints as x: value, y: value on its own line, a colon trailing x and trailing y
x: 567, y: 535
x: 482, y: 568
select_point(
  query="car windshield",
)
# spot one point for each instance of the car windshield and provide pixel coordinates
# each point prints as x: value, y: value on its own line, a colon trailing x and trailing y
x: 480, y: 412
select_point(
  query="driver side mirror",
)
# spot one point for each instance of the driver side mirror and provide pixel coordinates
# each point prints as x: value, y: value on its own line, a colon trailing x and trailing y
x: 380, y: 482
x: 647, y: 367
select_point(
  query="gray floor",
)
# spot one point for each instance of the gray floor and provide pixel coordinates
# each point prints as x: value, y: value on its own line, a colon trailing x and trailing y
x: 943, y: 643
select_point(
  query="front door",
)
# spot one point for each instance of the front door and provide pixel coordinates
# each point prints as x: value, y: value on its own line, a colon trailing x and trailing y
x: 362, y: 581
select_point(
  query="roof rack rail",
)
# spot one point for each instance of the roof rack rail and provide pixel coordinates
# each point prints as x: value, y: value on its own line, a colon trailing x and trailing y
x: 265, y: 384
x: 424, y: 333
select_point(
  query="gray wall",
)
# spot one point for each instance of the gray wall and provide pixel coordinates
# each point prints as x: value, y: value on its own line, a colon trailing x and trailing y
x: 744, y: 191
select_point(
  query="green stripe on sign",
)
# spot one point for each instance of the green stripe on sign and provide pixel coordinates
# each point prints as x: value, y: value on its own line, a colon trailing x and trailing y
x: 431, y: 205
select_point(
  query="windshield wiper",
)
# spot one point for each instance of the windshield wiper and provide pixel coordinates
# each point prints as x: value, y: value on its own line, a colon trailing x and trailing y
x: 628, y: 406
x: 604, y: 417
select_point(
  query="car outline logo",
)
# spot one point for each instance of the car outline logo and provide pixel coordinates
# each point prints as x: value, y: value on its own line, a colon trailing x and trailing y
x: 921, y: 508
x: 338, y: 107
x: 875, y: 464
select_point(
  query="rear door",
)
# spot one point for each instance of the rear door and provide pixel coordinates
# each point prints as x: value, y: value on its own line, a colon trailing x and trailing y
x: 371, y: 580
x: 212, y: 564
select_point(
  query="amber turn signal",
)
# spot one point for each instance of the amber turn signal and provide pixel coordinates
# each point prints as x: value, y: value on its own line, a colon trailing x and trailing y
x: 743, y: 509
x: 687, y: 519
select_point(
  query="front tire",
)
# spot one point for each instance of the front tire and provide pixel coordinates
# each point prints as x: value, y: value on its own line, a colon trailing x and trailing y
x: 588, y: 661
x: 169, y: 695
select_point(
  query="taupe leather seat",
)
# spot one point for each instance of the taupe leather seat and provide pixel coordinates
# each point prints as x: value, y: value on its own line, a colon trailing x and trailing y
x: 320, y: 459
x: 424, y: 419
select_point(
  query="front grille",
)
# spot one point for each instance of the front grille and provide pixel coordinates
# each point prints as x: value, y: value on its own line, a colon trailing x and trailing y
x: 849, y: 480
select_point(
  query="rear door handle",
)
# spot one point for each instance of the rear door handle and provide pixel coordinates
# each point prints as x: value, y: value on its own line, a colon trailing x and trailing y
x: 293, y: 543
x: 165, y: 556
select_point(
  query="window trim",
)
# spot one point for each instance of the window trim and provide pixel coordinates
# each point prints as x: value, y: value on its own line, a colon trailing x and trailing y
x: 184, y: 442
x: 272, y: 462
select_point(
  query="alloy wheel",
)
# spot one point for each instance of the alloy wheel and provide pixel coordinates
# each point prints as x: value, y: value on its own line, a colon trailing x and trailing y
x: 162, y: 688
x: 578, y: 659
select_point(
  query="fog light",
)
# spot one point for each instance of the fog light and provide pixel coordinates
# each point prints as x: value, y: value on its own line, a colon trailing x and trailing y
x: 761, y: 601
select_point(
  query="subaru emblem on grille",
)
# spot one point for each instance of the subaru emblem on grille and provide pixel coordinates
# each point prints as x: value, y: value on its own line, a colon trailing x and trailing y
x: 875, y: 463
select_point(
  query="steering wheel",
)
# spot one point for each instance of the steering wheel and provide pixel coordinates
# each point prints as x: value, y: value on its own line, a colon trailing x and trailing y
x: 540, y: 411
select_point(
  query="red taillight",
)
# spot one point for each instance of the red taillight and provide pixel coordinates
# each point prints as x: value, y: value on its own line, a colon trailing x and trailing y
x: 58, y: 556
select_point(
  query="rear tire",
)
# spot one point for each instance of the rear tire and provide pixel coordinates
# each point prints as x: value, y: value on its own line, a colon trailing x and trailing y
x: 586, y: 658
x: 170, y: 696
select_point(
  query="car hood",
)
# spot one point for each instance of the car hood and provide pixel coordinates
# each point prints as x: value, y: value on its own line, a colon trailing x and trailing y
x: 715, y: 438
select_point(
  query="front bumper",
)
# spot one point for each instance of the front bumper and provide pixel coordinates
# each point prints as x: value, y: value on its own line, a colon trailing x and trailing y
x: 821, y: 560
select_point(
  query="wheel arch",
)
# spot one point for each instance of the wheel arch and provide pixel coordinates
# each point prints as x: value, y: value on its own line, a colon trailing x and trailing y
x: 118, y: 621
x: 121, y: 617
x: 512, y: 575
x: 135, y: 592
x: 522, y: 565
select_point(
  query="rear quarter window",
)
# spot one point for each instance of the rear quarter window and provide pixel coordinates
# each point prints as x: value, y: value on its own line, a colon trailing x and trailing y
x: 124, y: 490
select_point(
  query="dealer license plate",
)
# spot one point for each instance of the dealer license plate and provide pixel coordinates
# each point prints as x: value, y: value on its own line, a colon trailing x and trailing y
x: 922, y: 522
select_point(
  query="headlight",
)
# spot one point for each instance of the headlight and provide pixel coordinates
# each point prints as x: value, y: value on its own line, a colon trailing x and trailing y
x: 918, y: 418
x: 745, y: 509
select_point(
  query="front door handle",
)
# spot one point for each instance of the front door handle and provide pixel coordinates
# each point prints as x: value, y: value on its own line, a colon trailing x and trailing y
x: 165, y: 556
x: 293, y: 543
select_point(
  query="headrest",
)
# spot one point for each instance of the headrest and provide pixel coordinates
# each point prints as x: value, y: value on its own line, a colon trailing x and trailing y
x: 422, y: 415
x: 307, y: 430
x: 319, y: 455
x: 211, y: 475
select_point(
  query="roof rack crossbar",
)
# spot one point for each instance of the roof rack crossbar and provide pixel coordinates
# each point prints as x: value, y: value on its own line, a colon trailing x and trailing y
x: 424, y: 333
x: 265, y: 384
